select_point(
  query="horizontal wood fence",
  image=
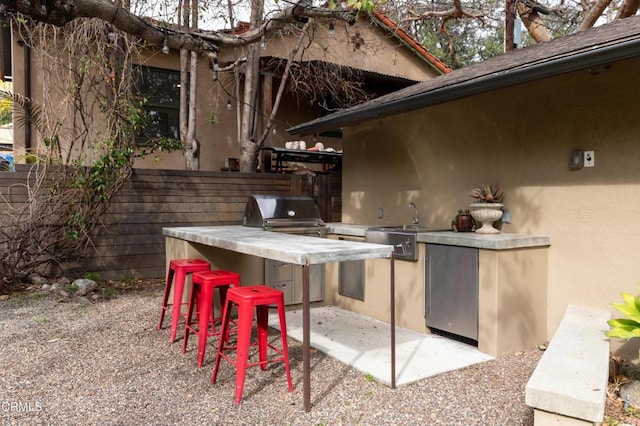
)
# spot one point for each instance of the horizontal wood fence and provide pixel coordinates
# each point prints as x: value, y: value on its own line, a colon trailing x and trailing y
x: 129, y: 242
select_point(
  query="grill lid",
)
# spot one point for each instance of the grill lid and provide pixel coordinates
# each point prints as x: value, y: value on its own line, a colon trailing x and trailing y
x: 265, y: 211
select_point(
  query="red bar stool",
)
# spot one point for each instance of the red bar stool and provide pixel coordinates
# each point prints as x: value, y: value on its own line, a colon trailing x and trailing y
x: 202, y: 293
x: 179, y: 268
x: 247, y: 298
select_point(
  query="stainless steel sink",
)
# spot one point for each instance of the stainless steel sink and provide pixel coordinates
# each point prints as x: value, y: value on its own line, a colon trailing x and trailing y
x: 416, y: 229
x: 403, y: 238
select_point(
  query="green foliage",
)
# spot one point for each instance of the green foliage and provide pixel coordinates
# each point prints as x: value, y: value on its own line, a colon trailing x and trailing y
x: 629, y: 327
x: 110, y: 292
x: 93, y: 276
x: 632, y: 412
x: 136, y: 115
x: 359, y: 5
x: 462, y: 42
x: 76, y: 226
x: 128, y: 279
x: 212, y: 117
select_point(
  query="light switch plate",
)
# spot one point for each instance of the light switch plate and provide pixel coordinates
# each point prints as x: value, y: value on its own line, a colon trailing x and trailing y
x: 589, y: 159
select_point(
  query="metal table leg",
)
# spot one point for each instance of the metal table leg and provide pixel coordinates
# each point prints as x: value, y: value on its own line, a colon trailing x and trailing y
x: 392, y: 285
x: 306, y: 339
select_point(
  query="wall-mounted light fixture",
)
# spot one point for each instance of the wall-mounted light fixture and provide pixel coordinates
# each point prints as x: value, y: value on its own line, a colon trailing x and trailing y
x: 112, y: 35
x: 165, y: 46
x: 576, y: 159
x: 229, y: 104
x: 332, y: 29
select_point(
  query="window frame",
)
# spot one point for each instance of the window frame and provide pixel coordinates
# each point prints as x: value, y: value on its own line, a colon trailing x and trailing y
x: 164, y: 128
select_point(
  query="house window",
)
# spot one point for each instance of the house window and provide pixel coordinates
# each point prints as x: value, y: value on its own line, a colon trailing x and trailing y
x: 161, y: 89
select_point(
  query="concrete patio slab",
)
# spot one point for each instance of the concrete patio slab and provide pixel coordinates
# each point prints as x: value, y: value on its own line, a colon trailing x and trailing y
x: 363, y: 343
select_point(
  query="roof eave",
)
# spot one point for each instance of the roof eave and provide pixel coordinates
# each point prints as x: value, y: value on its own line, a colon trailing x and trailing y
x: 597, y: 56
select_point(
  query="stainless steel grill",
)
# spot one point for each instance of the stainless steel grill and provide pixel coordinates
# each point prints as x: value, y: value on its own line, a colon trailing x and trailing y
x: 290, y: 214
x: 293, y: 214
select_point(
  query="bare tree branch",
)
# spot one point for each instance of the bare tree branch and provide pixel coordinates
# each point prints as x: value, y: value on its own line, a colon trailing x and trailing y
x: 629, y: 8
x: 594, y: 13
x: 454, y: 13
x: 61, y: 12
x: 533, y: 22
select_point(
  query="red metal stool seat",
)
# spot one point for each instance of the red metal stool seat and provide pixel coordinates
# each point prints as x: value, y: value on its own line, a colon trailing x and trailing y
x: 247, y: 298
x: 202, y: 293
x: 178, y: 268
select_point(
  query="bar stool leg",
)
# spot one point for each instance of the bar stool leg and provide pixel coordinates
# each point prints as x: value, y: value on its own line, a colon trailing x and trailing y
x: 245, y: 321
x: 193, y: 299
x: 262, y: 318
x: 178, y: 290
x: 224, y: 330
x: 165, y: 299
x: 205, y: 314
x: 285, y: 347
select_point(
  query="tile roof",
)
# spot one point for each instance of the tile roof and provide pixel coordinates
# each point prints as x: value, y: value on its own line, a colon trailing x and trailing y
x: 393, y: 27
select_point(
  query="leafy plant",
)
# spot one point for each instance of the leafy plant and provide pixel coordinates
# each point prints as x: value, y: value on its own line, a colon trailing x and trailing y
x: 629, y: 327
x: 93, y: 276
x: 487, y: 193
x: 109, y: 291
x: 128, y: 279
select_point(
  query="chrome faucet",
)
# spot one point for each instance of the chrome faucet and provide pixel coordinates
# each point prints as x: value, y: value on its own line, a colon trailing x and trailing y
x: 416, y: 221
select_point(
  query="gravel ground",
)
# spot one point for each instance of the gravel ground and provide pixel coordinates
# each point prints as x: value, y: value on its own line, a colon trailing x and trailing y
x: 105, y: 363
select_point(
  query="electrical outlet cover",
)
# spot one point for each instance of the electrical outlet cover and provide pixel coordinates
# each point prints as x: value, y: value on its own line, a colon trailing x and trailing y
x: 589, y: 159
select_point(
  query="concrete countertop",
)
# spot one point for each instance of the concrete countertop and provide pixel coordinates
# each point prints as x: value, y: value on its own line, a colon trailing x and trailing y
x: 296, y: 249
x: 502, y: 241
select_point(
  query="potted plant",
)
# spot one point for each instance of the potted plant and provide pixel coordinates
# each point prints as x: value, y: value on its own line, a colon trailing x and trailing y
x: 487, y: 207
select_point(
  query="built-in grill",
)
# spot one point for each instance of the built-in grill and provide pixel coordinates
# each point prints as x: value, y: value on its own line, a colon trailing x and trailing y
x: 293, y: 214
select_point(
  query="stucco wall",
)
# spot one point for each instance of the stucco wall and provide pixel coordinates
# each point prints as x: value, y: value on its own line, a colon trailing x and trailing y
x: 521, y: 138
x: 363, y: 45
x: 216, y: 126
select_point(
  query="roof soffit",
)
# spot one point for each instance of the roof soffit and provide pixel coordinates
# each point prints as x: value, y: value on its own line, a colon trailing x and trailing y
x: 608, y: 43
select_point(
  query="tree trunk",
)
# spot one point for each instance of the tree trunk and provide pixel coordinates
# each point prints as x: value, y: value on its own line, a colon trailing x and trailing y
x: 189, y: 67
x: 533, y: 22
x: 250, y: 98
x: 192, y: 153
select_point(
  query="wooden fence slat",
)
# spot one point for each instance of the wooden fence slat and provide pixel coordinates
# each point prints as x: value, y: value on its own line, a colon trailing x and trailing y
x: 129, y: 242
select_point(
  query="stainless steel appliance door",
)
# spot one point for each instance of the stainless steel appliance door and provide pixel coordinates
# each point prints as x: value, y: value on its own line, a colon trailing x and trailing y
x: 451, y: 290
x: 351, y: 277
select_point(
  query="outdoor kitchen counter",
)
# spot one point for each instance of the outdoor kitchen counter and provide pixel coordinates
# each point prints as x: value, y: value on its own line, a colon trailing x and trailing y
x: 502, y: 241
x: 512, y: 277
x: 289, y: 248
x: 297, y: 249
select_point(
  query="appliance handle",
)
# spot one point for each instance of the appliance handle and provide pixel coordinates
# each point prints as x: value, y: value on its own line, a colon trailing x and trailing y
x: 426, y: 284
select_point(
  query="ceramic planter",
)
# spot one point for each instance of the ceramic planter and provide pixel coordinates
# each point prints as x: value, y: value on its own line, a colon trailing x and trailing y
x: 486, y: 214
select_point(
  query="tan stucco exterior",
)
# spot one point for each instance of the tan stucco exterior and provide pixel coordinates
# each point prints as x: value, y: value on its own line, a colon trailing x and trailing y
x: 521, y: 138
x: 216, y: 130
x: 363, y: 46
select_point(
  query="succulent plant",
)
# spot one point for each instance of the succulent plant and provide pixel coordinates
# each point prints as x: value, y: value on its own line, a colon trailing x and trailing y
x: 488, y: 194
